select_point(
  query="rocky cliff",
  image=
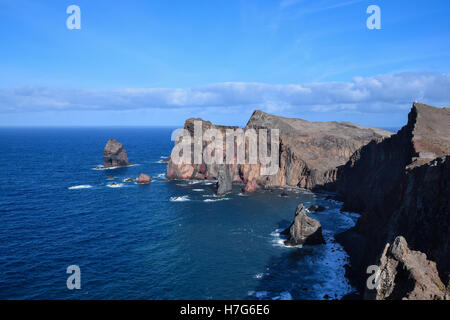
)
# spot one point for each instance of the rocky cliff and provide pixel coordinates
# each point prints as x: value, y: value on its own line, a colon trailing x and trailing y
x: 401, y: 187
x: 309, y: 152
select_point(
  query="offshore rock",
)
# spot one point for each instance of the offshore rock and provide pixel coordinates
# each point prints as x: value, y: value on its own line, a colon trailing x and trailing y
x: 316, y: 208
x: 143, y: 179
x: 114, y: 154
x: 224, y: 183
x: 304, y: 230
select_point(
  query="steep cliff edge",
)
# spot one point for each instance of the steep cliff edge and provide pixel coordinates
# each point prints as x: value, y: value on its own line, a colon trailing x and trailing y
x: 401, y: 187
x: 309, y: 152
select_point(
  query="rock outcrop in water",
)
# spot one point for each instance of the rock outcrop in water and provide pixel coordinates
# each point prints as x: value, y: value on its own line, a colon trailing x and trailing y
x: 304, y: 230
x: 224, y: 183
x: 406, y: 274
x: 401, y: 187
x: 316, y: 208
x: 309, y: 152
x: 114, y: 154
x: 143, y: 179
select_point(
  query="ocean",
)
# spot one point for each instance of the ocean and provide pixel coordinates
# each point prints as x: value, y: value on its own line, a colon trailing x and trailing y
x: 165, y: 240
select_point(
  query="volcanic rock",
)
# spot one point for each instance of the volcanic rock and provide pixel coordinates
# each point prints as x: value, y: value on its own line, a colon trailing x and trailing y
x: 251, y: 186
x: 143, y: 179
x: 316, y: 208
x: 114, y: 154
x: 401, y: 187
x: 406, y: 274
x: 304, y: 230
x: 309, y: 152
x: 224, y: 183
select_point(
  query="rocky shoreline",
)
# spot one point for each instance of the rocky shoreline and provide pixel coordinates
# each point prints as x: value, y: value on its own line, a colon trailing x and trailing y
x: 399, y: 183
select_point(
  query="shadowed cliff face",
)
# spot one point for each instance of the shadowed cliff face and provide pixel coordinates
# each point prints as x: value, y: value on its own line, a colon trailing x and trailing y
x: 309, y: 152
x: 401, y: 187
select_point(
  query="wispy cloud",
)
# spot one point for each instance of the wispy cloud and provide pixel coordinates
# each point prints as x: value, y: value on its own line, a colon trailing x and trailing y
x: 317, y: 6
x: 382, y: 93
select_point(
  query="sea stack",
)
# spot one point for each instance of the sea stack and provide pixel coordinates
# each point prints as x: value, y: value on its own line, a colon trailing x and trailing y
x: 224, y: 183
x: 304, y: 230
x: 114, y: 155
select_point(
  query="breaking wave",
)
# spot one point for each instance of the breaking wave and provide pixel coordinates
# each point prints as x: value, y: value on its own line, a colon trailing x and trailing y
x: 179, y: 199
x: 214, y: 200
x: 115, y: 185
x: 83, y: 186
x: 101, y: 167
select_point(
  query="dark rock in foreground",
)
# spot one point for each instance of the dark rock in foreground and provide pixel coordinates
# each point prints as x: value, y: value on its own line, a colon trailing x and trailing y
x: 114, y: 155
x: 143, y: 179
x: 406, y: 274
x: 304, y: 230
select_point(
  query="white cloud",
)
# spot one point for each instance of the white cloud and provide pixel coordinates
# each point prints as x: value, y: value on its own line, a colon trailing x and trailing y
x: 382, y: 93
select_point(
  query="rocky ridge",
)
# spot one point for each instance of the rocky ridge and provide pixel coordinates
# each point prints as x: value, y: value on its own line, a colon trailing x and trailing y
x: 401, y: 187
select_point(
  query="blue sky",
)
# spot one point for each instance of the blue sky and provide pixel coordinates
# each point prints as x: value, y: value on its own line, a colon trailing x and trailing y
x: 160, y: 62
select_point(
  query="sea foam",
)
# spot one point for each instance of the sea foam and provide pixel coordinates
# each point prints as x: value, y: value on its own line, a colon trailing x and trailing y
x: 179, y: 199
x: 83, y: 186
x: 100, y: 167
x: 115, y: 185
x: 214, y: 200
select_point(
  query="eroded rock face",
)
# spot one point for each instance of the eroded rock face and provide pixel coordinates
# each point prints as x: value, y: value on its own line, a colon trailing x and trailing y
x: 251, y: 186
x: 406, y: 274
x: 304, y: 230
x: 143, y: 179
x: 401, y: 187
x: 193, y: 170
x: 309, y: 152
x: 114, y: 154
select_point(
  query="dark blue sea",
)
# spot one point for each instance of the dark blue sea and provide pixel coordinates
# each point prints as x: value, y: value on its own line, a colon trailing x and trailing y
x: 140, y: 242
